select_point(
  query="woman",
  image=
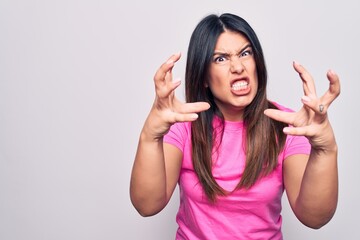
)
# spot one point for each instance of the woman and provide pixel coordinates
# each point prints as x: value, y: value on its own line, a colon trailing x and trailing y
x: 230, y: 149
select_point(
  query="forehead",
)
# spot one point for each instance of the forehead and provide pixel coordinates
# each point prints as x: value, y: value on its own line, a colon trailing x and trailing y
x: 229, y: 41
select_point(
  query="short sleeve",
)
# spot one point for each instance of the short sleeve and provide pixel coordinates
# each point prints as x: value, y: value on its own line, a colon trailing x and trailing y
x: 178, y: 135
x: 296, y: 145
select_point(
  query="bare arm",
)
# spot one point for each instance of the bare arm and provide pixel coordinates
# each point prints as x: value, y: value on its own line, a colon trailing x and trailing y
x: 311, y: 182
x: 311, y: 185
x: 156, y: 167
x: 154, y: 177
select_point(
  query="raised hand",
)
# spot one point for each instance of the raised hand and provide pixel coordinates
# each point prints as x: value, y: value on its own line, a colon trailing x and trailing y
x: 311, y: 120
x: 167, y: 109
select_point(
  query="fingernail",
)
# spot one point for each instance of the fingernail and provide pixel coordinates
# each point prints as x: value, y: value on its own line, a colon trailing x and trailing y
x: 194, y: 116
x: 286, y: 130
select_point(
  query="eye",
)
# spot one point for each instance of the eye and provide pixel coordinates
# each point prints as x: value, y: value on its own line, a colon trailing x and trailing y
x: 246, y: 52
x: 219, y: 59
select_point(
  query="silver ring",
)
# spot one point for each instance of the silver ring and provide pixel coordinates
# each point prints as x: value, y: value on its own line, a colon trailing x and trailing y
x: 321, y: 108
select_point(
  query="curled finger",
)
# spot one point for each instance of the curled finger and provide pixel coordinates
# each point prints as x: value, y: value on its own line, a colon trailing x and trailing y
x: 299, y: 131
x: 188, y: 117
x: 334, y: 88
x: 166, y: 68
x: 195, y: 107
x: 278, y: 115
x: 308, y: 82
x: 315, y: 104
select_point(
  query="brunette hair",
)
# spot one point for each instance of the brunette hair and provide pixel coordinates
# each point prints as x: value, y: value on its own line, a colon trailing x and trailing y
x: 264, y: 137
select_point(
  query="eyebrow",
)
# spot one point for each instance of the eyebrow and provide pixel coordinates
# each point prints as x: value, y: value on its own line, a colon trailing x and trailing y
x: 227, y: 54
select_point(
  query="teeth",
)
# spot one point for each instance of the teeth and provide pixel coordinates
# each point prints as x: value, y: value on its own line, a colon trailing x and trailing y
x: 239, y: 85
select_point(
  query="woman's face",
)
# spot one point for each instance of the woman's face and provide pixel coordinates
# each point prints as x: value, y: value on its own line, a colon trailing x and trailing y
x: 233, y: 79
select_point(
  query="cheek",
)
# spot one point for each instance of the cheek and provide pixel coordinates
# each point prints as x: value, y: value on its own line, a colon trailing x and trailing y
x: 214, y: 83
x: 253, y: 73
x: 218, y: 86
x: 256, y: 81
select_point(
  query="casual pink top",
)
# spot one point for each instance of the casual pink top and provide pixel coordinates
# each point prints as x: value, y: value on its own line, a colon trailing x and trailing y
x: 244, y: 214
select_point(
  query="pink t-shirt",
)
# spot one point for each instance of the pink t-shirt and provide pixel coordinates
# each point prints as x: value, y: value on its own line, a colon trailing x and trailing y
x: 244, y: 214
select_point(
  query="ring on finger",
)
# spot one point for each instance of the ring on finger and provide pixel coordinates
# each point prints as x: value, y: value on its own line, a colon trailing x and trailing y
x: 321, y: 108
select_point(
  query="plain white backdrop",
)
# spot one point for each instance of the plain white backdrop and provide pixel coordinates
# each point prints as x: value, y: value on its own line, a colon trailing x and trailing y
x: 76, y: 86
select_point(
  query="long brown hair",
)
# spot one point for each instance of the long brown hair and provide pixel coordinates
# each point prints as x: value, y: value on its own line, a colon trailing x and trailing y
x: 264, y: 137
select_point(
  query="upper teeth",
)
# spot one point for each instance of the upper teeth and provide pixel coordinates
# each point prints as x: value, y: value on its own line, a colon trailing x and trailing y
x: 239, y: 85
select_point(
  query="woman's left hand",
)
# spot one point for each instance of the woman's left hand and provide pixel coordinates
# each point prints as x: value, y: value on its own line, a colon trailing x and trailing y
x: 312, y: 119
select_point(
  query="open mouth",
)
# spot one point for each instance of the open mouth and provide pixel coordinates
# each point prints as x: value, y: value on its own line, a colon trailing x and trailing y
x: 239, y: 85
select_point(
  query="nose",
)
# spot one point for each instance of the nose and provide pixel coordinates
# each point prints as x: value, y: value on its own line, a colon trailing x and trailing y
x: 236, y: 66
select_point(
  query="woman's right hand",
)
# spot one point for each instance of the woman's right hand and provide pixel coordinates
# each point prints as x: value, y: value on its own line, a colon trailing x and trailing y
x: 167, y: 109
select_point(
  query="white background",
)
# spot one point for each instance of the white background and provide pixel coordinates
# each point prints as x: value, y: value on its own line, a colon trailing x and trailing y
x: 76, y: 86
